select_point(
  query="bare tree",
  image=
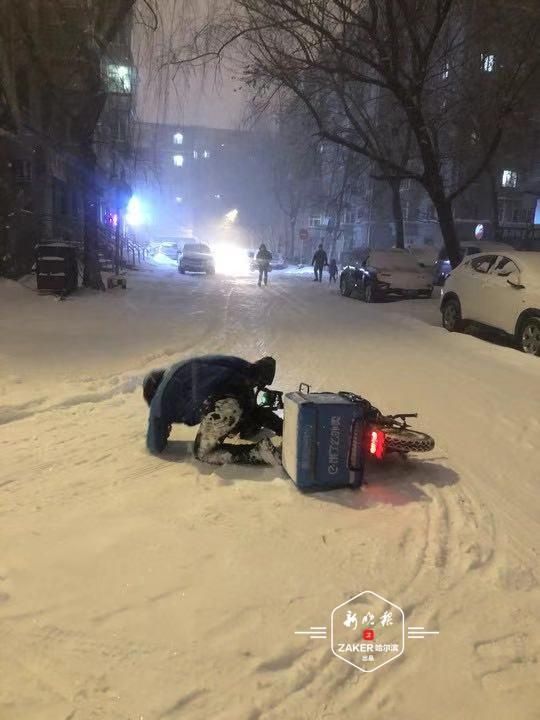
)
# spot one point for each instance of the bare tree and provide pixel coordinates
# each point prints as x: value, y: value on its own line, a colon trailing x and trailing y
x: 295, y: 165
x: 353, y: 64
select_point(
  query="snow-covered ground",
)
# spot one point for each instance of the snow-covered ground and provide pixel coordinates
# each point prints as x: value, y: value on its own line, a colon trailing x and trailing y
x: 142, y: 588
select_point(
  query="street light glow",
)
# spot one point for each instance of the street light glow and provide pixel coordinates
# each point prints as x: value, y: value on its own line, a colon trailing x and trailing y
x: 231, y: 216
x: 134, y: 214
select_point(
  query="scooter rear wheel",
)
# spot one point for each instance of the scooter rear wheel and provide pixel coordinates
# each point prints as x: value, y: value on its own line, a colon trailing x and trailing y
x: 405, y: 441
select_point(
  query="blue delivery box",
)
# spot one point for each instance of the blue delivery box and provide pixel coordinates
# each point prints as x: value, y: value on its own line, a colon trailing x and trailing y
x: 322, y: 441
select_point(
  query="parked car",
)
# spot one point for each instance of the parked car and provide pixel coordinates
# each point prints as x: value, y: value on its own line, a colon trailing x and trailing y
x: 169, y: 249
x: 196, y: 257
x: 425, y: 255
x: 386, y: 272
x: 443, y: 267
x: 498, y: 290
x: 278, y: 262
x: 352, y: 257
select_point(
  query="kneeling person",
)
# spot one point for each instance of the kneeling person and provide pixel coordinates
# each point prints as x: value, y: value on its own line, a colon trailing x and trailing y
x: 219, y: 393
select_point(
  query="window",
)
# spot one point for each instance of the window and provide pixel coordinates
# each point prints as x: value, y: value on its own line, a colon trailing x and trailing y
x: 178, y: 199
x: 483, y: 263
x: 23, y: 170
x: 178, y: 138
x: 75, y: 203
x: 195, y: 155
x: 120, y: 127
x: 315, y: 221
x: 22, y: 81
x: 206, y: 154
x: 59, y: 197
x: 509, y: 178
x: 178, y: 160
x: 445, y: 70
x: 119, y: 78
x: 505, y: 267
x: 474, y: 138
x: 488, y: 62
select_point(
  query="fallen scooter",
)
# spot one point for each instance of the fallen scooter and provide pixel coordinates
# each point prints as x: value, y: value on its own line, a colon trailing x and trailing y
x: 327, y: 437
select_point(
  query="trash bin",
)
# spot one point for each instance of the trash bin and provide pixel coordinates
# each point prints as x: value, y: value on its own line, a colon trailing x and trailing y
x: 57, y: 269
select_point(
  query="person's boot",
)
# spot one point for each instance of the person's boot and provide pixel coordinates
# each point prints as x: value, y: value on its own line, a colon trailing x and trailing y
x: 268, y: 452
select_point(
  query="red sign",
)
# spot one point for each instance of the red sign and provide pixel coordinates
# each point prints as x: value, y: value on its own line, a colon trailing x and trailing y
x: 304, y: 235
x: 368, y: 634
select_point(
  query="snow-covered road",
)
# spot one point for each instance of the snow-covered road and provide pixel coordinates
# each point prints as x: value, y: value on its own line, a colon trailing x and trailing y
x: 134, y: 587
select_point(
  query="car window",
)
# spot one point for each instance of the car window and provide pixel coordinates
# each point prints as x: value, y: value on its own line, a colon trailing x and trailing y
x: 505, y: 267
x: 199, y: 247
x: 483, y: 263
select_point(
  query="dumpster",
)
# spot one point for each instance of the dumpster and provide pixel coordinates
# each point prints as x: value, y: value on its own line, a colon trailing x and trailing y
x: 57, y: 269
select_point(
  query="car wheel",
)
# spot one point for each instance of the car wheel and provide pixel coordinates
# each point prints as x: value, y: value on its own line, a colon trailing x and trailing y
x: 368, y: 294
x: 344, y: 287
x: 529, y: 336
x: 451, y: 315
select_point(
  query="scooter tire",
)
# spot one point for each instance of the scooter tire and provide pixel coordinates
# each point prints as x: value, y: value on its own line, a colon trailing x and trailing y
x: 405, y: 441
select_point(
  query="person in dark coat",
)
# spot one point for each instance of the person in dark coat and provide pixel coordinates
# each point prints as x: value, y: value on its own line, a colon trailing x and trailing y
x: 333, y: 270
x: 217, y: 392
x: 263, y: 261
x: 320, y: 259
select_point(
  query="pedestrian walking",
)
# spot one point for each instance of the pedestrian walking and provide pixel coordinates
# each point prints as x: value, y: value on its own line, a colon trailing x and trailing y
x: 332, y: 271
x: 263, y: 262
x: 320, y: 259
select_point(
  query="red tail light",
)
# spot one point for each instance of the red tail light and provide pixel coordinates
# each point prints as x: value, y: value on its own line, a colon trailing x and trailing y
x: 377, y: 441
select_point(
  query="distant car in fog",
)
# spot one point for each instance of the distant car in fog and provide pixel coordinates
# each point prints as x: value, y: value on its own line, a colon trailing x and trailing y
x: 196, y: 257
x: 278, y: 262
x: 169, y: 249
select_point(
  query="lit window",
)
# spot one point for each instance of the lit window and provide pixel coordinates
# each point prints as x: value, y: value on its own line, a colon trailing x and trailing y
x: 178, y: 199
x: 509, y: 178
x: 488, y: 62
x: 119, y: 78
x: 206, y: 154
x: 178, y: 138
x: 474, y: 138
x: 195, y: 155
x: 218, y: 196
x: 178, y: 160
x: 445, y: 70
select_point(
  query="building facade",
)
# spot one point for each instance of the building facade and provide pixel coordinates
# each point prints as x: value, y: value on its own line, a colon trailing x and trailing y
x: 188, y: 178
x: 65, y: 118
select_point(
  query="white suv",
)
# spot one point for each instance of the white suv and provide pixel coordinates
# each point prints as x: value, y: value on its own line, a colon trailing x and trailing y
x: 499, y: 290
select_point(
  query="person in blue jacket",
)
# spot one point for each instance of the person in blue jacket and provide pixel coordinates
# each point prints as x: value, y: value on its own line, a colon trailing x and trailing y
x: 217, y: 392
